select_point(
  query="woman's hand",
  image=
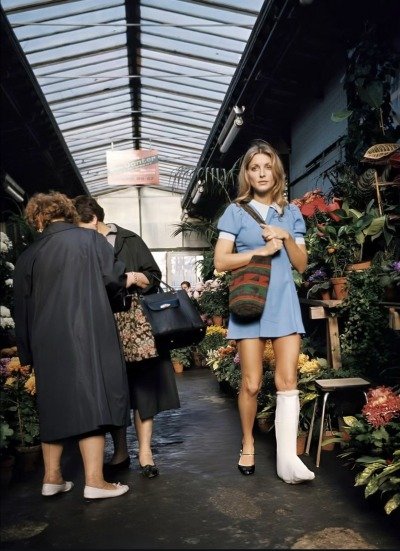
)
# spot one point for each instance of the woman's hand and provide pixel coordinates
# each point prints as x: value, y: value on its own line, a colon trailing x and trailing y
x: 273, y: 232
x: 273, y: 246
x: 136, y: 278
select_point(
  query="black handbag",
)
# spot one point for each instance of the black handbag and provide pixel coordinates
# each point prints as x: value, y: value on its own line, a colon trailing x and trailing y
x: 174, y: 318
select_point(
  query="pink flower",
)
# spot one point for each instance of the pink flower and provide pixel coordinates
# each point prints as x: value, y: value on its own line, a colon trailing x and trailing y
x: 383, y: 404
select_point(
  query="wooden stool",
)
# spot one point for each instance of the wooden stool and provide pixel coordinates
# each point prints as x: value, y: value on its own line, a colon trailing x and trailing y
x: 326, y: 386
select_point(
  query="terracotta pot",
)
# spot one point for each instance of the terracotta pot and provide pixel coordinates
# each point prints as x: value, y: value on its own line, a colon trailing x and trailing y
x: 358, y: 266
x: 339, y: 285
x: 29, y: 458
x: 178, y: 366
x: 217, y: 320
x: 301, y: 443
x: 328, y: 447
x: 325, y: 294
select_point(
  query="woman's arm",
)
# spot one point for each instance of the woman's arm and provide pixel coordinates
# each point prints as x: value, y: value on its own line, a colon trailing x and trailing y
x: 297, y: 253
x: 225, y: 259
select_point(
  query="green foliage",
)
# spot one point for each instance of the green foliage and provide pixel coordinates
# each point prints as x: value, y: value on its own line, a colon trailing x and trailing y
x: 182, y: 355
x: 364, y: 323
x: 371, y: 66
x: 377, y: 452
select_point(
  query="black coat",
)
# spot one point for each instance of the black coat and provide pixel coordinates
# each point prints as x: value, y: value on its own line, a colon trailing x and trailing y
x: 66, y: 330
x: 135, y: 254
x: 152, y: 383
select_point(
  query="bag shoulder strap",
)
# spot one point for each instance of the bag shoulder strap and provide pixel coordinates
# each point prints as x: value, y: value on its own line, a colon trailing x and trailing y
x: 253, y: 213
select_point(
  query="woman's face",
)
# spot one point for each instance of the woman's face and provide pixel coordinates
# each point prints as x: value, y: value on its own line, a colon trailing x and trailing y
x: 259, y: 174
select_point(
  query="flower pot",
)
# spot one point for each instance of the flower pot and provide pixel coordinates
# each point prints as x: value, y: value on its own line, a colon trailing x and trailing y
x: 301, y: 443
x: 7, y: 464
x: 339, y: 286
x: 358, y: 266
x: 331, y: 446
x: 29, y: 458
x: 178, y: 366
x: 325, y: 294
x: 217, y: 320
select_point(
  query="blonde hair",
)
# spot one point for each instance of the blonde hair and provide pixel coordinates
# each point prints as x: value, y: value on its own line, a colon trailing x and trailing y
x: 246, y: 192
x: 43, y: 208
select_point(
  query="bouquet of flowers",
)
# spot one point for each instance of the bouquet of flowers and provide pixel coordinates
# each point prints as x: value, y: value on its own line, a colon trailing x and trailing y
x: 374, y: 445
x: 18, y: 402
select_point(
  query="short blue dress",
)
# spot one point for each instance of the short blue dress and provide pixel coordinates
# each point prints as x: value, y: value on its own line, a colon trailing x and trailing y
x: 282, y: 314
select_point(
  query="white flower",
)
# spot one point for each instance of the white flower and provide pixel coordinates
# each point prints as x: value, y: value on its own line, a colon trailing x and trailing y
x: 10, y: 265
x: 9, y: 282
x: 6, y: 244
x: 6, y: 322
x: 5, y: 312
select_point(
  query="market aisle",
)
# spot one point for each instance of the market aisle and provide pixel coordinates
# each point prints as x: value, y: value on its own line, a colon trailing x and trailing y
x: 200, y: 500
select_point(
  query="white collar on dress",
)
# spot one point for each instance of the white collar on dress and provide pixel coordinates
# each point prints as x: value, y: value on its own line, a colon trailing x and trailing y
x: 263, y: 205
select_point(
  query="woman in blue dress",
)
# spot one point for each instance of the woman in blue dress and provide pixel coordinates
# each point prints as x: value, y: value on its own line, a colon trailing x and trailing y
x: 261, y: 185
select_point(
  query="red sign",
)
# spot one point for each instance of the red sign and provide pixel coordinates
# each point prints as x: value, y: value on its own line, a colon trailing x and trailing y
x: 132, y: 167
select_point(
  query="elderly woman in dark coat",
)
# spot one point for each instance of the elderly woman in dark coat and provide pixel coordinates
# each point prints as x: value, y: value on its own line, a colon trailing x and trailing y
x: 66, y: 331
x: 152, y: 384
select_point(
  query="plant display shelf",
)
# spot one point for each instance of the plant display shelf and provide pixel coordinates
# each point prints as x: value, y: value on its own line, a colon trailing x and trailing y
x: 325, y: 387
x: 325, y: 309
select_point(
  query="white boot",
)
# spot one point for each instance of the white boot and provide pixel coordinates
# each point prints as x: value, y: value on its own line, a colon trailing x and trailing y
x: 288, y: 465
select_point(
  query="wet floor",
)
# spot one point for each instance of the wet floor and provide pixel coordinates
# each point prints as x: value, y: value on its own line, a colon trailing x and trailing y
x: 200, y: 500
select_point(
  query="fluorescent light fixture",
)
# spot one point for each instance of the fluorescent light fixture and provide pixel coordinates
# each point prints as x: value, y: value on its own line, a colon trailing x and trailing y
x: 231, y: 128
x: 197, y: 192
x: 12, y: 188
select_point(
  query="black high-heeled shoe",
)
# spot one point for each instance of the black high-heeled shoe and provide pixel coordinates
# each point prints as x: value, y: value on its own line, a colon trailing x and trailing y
x: 111, y: 468
x: 149, y: 471
x: 246, y: 469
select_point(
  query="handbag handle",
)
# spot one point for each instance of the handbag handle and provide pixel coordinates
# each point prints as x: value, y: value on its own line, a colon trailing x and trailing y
x: 253, y: 213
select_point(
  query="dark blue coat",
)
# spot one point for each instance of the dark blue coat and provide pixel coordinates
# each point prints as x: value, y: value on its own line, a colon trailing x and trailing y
x: 66, y: 330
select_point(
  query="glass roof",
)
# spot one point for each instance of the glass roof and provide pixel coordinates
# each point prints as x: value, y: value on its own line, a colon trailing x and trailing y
x: 135, y: 74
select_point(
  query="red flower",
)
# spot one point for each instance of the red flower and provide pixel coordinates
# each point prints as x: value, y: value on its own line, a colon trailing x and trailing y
x: 382, y: 406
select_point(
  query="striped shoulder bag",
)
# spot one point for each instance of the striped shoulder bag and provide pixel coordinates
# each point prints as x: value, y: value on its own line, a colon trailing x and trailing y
x: 249, y: 284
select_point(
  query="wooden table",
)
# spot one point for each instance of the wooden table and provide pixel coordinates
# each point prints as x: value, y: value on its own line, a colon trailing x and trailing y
x: 325, y: 309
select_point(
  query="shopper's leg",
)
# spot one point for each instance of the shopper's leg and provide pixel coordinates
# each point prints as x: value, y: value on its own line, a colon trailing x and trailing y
x: 250, y: 353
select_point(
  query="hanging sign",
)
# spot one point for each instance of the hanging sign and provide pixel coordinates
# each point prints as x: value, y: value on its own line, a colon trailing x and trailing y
x: 132, y: 167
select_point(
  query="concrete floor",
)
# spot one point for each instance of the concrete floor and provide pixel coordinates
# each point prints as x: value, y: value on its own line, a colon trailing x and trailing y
x: 200, y: 500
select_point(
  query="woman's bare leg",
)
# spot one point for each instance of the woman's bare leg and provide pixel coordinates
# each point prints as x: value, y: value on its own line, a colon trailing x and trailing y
x: 144, y: 432
x: 92, y: 451
x: 52, y: 452
x: 250, y: 353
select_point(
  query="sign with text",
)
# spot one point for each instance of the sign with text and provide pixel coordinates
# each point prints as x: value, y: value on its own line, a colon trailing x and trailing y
x: 132, y: 167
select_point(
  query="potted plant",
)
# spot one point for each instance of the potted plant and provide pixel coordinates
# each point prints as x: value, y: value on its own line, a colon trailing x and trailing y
x: 319, y: 284
x: 373, y: 446
x: 181, y: 358
x: 18, y: 403
x: 390, y: 280
x: 213, y: 298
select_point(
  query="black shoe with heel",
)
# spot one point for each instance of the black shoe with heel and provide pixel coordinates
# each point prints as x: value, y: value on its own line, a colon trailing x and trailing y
x: 246, y: 470
x: 111, y: 468
x: 149, y: 471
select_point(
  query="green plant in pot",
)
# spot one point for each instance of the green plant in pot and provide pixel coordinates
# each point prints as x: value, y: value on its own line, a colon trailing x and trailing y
x: 373, y: 445
x: 182, y: 356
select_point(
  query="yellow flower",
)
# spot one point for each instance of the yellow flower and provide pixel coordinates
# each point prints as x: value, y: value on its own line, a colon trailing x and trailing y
x: 268, y: 354
x: 216, y: 329
x: 30, y: 384
x: 10, y: 381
